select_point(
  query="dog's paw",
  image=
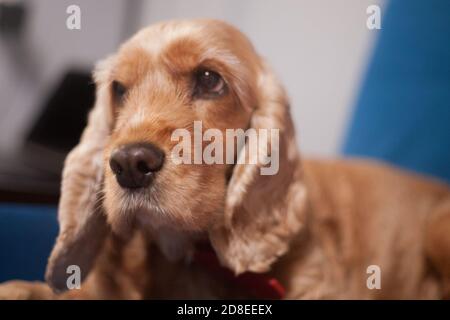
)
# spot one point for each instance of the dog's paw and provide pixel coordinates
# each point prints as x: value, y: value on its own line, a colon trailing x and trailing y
x: 23, y: 290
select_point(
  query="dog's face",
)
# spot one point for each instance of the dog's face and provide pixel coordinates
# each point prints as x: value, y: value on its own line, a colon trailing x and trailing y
x: 164, y: 79
x: 168, y: 78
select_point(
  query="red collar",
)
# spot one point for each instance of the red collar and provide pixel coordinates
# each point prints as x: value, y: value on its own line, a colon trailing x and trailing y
x: 258, y: 285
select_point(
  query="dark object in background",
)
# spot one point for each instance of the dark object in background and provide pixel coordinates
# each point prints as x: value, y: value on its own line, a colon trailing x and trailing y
x: 64, y: 114
x: 33, y: 174
x: 12, y: 17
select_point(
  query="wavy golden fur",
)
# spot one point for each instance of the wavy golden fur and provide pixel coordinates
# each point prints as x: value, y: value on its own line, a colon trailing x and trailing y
x: 316, y: 225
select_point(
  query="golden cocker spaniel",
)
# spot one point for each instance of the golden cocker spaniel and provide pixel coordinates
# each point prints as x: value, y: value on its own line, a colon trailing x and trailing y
x: 133, y: 220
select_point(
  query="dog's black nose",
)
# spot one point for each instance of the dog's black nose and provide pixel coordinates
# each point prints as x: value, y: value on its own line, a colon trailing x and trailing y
x: 135, y: 164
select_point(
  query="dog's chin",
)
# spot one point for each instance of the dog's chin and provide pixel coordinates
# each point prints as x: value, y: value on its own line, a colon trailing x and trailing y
x: 170, y: 230
x: 142, y: 209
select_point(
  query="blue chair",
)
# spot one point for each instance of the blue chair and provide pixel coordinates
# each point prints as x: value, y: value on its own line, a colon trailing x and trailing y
x: 402, y: 115
x: 27, y: 235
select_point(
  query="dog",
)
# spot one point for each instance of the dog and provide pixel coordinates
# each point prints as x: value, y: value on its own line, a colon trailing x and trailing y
x: 134, y: 222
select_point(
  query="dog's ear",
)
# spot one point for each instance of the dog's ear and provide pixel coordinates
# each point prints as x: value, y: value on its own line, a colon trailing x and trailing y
x: 263, y: 209
x: 82, y: 223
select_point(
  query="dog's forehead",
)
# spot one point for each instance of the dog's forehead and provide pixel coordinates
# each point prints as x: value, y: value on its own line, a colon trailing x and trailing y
x: 182, y: 45
x: 157, y: 38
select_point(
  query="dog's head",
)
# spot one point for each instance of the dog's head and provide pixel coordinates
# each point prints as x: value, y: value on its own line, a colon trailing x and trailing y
x: 172, y: 96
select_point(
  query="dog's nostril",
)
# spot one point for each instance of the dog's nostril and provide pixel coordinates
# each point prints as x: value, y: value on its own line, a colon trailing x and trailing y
x: 143, y: 167
x: 115, y: 167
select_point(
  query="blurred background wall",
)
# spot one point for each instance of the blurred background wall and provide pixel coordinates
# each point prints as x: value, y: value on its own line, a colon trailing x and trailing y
x: 33, y: 61
x: 319, y: 48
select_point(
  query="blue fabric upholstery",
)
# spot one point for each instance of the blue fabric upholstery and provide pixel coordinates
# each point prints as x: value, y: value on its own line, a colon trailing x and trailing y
x: 27, y: 235
x: 402, y: 114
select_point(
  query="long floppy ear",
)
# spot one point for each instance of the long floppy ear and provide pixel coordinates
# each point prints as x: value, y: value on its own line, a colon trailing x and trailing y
x: 263, y: 209
x: 82, y: 223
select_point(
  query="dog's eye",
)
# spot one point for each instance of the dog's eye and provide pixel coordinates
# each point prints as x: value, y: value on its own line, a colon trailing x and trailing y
x: 208, y: 84
x: 118, y: 91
